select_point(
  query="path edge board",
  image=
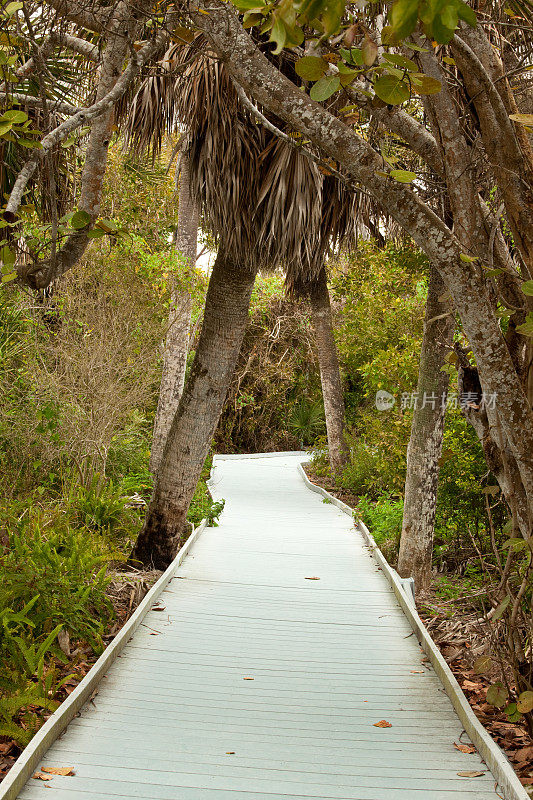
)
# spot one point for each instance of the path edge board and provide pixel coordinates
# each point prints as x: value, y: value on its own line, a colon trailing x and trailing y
x: 30, y: 757
x: 494, y: 757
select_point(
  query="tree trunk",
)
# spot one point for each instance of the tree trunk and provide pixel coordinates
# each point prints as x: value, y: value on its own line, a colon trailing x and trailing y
x: 184, y: 454
x: 425, y: 444
x: 330, y: 376
x: 179, y: 322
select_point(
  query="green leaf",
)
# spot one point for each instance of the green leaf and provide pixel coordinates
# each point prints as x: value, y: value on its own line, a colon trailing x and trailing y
x: 278, y: 35
x: 248, y: 5
x: 467, y: 14
x: 523, y: 119
x: 527, y: 288
x: 311, y: 68
x: 80, y: 220
x: 482, y: 665
x: 425, y: 84
x: 500, y: 611
x: 497, y: 695
x: 252, y: 18
x: 400, y: 61
x: 30, y: 143
x: 7, y: 256
x: 402, y: 175
x: 512, y: 712
x: 467, y: 259
x: 515, y: 543
x: 106, y: 226
x: 392, y: 90
x: 331, y: 16
x: 491, y: 273
x: 5, y: 127
x: 325, y: 87
x: 352, y: 56
x: 412, y: 46
x: 525, y: 702
x: 12, y: 8
x: 449, y: 16
x: 403, y: 17
x: 526, y: 328
x: 14, y: 116
x: 96, y: 233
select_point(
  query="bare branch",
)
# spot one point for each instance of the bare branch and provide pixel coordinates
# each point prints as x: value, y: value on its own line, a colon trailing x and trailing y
x: 81, y: 117
x: 95, y: 18
x: 31, y: 101
x: 500, y: 112
x: 77, y: 45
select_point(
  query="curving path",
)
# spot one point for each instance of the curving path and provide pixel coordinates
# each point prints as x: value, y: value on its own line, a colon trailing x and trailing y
x: 256, y: 682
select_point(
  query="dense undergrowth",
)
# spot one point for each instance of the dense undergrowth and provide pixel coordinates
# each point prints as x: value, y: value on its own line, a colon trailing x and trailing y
x: 79, y: 375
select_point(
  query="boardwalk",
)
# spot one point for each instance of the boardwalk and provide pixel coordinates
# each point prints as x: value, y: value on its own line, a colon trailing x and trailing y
x: 258, y: 681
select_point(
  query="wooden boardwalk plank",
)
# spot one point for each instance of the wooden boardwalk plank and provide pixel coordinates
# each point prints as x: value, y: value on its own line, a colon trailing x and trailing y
x: 176, y: 719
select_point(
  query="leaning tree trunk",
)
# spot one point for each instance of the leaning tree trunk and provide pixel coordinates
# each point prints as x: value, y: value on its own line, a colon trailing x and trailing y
x: 225, y: 318
x: 330, y: 376
x: 179, y: 321
x: 425, y: 444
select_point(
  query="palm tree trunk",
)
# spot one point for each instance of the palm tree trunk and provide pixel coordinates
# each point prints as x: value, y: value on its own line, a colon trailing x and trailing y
x: 184, y: 454
x: 425, y: 444
x: 179, y: 322
x: 330, y: 376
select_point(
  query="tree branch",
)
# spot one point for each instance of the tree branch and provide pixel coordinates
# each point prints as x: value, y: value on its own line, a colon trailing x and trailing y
x: 31, y: 101
x: 95, y: 19
x: 77, y: 45
x: 81, y: 117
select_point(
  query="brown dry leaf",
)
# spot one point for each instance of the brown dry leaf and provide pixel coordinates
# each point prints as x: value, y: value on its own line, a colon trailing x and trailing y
x: 230, y: 752
x: 465, y: 748
x: 382, y: 724
x: 248, y: 679
x: 524, y: 754
x: 417, y: 671
x: 470, y: 685
x: 59, y: 770
x: 471, y: 774
x: 40, y: 776
x: 63, y: 640
x: 313, y: 578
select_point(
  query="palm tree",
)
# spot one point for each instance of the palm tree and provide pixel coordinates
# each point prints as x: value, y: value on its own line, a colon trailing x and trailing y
x: 176, y: 347
x: 267, y: 205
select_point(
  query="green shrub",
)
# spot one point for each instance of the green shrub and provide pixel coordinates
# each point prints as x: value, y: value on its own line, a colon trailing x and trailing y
x: 383, y: 518
x: 62, y: 570
x: 99, y: 506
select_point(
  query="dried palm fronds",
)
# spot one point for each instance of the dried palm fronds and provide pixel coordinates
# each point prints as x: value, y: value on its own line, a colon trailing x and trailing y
x: 263, y: 200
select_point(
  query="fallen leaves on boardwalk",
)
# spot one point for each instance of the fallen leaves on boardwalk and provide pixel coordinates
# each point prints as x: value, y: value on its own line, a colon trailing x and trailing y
x: 47, y: 773
x: 465, y: 748
x: 382, y: 724
x: 58, y: 770
x: 470, y: 774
